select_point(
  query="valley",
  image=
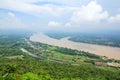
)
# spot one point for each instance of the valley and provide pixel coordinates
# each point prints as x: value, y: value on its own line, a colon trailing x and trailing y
x: 110, y: 52
x: 23, y: 59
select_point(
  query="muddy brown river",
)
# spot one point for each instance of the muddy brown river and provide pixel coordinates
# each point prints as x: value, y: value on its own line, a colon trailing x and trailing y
x: 110, y: 52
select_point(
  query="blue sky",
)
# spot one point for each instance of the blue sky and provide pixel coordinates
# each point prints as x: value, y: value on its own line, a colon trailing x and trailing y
x: 67, y: 15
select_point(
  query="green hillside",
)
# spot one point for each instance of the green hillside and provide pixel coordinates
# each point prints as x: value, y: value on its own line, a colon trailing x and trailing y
x: 21, y: 59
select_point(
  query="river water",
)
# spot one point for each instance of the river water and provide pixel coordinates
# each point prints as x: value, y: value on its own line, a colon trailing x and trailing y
x: 110, y: 52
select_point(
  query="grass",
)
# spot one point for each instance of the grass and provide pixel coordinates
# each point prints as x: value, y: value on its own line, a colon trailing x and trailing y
x: 14, y: 57
x: 64, y: 57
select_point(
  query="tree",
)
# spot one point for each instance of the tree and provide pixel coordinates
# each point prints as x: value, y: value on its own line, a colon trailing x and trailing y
x: 29, y: 76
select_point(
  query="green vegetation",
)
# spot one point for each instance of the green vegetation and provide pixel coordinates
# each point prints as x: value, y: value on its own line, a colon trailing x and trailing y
x: 101, y: 39
x: 58, y: 64
x: 34, y: 69
x: 63, y: 54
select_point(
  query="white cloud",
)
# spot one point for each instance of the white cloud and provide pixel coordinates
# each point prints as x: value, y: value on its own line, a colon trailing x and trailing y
x: 61, y: 2
x: 114, y: 19
x: 10, y: 21
x: 27, y: 7
x: 53, y: 7
x: 11, y: 14
x: 77, y: 13
x: 54, y: 24
x: 92, y: 12
x: 68, y: 25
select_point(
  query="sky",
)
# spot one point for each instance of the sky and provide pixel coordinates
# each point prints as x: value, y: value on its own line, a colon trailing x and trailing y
x: 65, y: 15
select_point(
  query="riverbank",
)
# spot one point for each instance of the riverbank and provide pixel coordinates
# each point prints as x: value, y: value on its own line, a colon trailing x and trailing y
x: 110, y: 52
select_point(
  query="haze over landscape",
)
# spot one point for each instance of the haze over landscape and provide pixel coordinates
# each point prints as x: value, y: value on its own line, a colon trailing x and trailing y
x: 59, y: 39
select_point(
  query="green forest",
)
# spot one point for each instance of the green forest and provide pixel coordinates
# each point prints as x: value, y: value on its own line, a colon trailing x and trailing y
x: 91, y: 38
x: 21, y: 59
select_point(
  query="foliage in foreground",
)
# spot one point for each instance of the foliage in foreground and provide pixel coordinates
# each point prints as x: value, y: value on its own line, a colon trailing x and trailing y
x: 34, y: 69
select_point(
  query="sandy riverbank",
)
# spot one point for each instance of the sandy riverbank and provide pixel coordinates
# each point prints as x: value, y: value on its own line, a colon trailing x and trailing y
x: 111, y: 52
